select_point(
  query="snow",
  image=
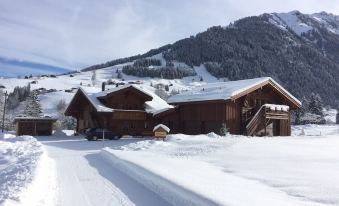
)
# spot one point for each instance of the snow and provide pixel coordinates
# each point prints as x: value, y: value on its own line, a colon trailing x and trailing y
x: 86, y: 178
x: 222, y: 90
x: 161, y: 126
x: 49, y: 102
x: 152, y: 106
x: 330, y: 21
x: 27, y: 173
x: 234, y: 170
x: 207, y: 77
x: 292, y: 21
x: 300, y: 23
x: 284, y: 108
x: 204, y: 169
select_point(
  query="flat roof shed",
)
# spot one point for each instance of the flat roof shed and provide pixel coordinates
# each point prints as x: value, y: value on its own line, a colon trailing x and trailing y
x: 34, y: 126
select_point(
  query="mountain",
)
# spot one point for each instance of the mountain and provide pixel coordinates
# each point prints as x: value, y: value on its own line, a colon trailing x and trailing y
x: 15, y: 68
x: 300, y: 51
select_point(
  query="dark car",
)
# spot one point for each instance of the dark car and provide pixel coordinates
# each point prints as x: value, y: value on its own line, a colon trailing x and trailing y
x: 99, y: 133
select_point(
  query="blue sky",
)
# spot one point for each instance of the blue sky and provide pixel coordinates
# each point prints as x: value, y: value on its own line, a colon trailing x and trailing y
x: 74, y: 34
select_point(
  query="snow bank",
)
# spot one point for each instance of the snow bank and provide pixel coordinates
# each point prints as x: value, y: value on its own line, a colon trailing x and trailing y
x: 235, y: 170
x: 27, y: 175
x: 193, y: 182
x: 168, y: 190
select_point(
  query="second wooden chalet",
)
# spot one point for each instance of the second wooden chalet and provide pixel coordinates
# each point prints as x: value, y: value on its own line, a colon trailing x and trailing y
x: 253, y: 107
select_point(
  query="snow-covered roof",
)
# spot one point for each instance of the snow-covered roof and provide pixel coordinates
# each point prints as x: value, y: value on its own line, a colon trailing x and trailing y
x: 152, y: 106
x: 96, y: 103
x: 35, y: 118
x: 223, y: 90
x: 115, y: 89
x: 163, y: 127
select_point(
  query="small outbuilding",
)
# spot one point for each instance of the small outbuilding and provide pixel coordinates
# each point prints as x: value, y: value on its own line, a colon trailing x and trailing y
x: 160, y: 131
x: 34, y: 126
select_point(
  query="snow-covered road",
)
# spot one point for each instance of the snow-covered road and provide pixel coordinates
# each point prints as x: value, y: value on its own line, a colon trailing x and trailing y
x: 85, y: 178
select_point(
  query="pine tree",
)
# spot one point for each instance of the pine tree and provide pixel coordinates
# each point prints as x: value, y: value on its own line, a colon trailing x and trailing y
x: 33, y: 107
x: 315, y: 105
x: 161, y: 93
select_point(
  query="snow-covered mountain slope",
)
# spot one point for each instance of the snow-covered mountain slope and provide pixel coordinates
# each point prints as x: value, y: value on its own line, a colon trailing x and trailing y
x: 304, y: 23
x: 65, y: 86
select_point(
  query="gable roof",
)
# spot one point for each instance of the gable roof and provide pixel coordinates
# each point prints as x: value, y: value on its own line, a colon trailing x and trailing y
x: 124, y: 87
x: 92, y: 99
x: 230, y: 90
x: 155, y: 104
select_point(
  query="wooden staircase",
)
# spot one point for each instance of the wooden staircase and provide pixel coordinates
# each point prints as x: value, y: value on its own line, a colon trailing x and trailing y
x: 263, y: 117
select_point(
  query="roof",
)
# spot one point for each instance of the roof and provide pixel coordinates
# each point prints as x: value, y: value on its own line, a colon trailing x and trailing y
x: 34, y: 119
x: 226, y: 91
x: 152, y: 106
x: 116, y: 89
x: 99, y: 107
x: 161, y: 126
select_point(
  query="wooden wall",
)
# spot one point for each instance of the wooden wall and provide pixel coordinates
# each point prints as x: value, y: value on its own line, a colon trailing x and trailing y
x: 128, y: 100
x: 34, y: 128
x: 204, y: 117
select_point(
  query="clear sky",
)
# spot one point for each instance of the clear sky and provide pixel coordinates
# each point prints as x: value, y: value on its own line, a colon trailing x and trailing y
x: 79, y: 33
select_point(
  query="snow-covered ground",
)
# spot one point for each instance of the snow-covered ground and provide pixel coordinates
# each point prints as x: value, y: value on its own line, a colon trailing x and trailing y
x: 86, y: 178
x: 27, y: 174
x: 183, y: 170
x: 235, y: 170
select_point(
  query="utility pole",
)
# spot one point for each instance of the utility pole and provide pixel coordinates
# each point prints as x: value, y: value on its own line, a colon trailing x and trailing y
x: 3, y: 115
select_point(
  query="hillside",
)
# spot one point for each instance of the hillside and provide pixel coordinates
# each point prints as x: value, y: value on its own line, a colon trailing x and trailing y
x: 299, y: 50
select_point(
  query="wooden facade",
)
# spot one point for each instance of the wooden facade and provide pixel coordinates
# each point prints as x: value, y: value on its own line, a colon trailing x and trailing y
x: 127, y: 115
x: 245, y: 113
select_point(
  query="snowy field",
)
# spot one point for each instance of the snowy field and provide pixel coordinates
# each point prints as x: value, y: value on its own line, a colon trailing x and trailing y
x: 235, y: 170
x: 183, y: 170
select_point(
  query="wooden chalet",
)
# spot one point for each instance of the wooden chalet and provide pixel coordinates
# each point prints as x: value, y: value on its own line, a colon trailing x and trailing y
x: 253, y: 107
x: 126, y: 110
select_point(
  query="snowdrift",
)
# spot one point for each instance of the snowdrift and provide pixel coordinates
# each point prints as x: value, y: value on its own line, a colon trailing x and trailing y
x: 27, y: 173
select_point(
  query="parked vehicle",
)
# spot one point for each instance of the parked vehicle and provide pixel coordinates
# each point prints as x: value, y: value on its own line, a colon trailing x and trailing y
x: 99, y: 133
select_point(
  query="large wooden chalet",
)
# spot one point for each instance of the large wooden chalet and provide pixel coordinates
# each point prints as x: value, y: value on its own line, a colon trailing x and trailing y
x: 126, y: 110
x: 253, y: 107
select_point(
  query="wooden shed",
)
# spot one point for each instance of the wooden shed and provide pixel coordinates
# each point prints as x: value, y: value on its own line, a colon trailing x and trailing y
x: 34, y: 126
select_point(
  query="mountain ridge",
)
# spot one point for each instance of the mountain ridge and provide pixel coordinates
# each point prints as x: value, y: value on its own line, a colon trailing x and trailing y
x: 300, y: 51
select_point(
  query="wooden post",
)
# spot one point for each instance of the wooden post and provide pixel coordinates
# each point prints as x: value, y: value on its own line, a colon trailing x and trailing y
x: 265, y: 121
x: 4, y: 112
x: 35, y: 128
